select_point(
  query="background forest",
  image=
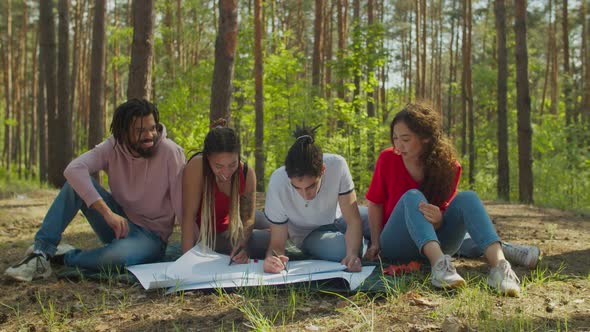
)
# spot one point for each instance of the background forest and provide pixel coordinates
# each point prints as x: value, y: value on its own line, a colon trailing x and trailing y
x: 347, y: 65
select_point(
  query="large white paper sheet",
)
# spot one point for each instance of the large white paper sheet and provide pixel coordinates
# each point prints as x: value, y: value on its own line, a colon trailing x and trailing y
x: 202, y: 268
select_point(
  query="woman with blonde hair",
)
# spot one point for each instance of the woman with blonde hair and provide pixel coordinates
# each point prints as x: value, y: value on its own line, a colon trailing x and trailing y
x: 415, y: 210
x: 219, y: 196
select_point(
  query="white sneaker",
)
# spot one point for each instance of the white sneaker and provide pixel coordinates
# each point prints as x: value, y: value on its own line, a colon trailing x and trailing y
x: 62, y: 248
x: 444, y: 274
x: 522, y: 255
x: 33, y: 266
x: 504, y: 280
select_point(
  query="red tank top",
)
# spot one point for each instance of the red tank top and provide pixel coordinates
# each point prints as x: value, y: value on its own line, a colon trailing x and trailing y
x: 222, y: 202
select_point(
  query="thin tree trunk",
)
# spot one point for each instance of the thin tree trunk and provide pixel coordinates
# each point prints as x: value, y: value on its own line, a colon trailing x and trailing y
x: 259, y: 96
x: 523, y: 104
x: 8, y: 87
x: 179, y: 38
x: 373, y: 88
x: 41, y: 108
x: 54, y: 174
x: 318, y: 42
x: 225, y: 50
x: 418, y: 78
x: 464, y: 58
x: 32, y: 161
x: 142, y: 50
x: 342, y: 18
x: 451, y: 72
x: 469, y: 87
x: 503, y: 184
x: 64, y: 118
x: 97, y: 75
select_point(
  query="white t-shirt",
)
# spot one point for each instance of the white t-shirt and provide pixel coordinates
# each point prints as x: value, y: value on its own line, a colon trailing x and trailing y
x: 285, y: 205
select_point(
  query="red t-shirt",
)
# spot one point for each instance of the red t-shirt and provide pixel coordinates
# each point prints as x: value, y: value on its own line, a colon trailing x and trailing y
x: 391, y: 180
x: 222, y: 202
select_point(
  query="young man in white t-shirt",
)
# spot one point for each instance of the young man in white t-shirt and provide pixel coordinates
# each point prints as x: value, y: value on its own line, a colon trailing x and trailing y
x: 306, y: 202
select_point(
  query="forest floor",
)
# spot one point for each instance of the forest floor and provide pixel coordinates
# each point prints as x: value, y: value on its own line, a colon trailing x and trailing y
x: 555, y: 296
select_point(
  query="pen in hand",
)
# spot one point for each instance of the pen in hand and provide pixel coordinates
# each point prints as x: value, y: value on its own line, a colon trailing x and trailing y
x: 274, y: 253
x: 231, y: 258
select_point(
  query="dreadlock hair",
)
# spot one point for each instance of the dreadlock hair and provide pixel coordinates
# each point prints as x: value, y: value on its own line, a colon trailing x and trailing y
x: 304, y: 157
x: 220, y: 139
x: 438, y: 154
x: 126, y: 112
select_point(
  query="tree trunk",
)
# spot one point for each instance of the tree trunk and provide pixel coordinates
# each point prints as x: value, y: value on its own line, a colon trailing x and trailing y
x: 418, y: 78
x: 451, y: 72
x: 179, y: 40
x: 42, y: 118
x: 142, y: 50
x: 342, y: 27
x: 64, y: 118
x: 97, y: 79
x: 586, y: 65
x: 523, y: 104
x: 469, y: 88
x: 33, y: 106
x: 503, y: 184
x: 372, y: 87
x: 259, y: 96
x: 54, y: 174
x: 8, y: 87
x: 317, y: 46
x: 225, y: 50
x: 464, y: 59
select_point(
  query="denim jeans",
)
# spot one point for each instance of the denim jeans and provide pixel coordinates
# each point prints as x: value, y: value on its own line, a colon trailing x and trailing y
x: 407, y: 231
x: 327, y: 242
x: 138, y: 247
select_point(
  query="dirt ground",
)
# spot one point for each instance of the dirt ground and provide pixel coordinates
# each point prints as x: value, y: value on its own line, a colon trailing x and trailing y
x: 561, y: 295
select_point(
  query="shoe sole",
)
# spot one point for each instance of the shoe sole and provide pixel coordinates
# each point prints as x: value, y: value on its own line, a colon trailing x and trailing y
x: 24, y: 279
x: 454, y: 285
x: 508, y: 292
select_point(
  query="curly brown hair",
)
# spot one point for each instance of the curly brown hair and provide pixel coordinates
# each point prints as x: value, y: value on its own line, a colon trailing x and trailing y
x: 438, y: 154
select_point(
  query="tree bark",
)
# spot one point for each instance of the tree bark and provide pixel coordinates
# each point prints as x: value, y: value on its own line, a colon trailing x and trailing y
x: 142, y: 50
x: 503, y: 184
x: 225, y: 50
x: 523, y: 104
x: 54, y: 174
x: 64, y: 118
x: 8, y: 87
x: 97, y: 79
x: 318, y: 42
x: 259, y: 96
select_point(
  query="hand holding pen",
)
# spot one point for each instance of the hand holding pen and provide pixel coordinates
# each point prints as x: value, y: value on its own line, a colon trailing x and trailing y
x: 238, y: 255
x: 275, y: 263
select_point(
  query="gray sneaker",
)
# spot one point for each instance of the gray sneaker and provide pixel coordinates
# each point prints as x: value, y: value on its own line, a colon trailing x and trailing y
x: 444, y: 274
x: 504, y: 280
x: 33, y: 266
x: 528, y: 256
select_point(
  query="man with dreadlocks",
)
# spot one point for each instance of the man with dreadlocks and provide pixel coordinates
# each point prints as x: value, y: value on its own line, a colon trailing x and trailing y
x: 135, y: 219
x: 312, y: 202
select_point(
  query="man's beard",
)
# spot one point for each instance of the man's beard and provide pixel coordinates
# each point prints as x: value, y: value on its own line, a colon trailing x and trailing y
x: 145, y: 153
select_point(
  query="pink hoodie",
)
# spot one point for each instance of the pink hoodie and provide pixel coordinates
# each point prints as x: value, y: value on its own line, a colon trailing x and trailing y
x: 148, y: 189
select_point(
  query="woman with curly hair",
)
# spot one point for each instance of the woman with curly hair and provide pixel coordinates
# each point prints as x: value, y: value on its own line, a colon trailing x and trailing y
x: 415, y: 210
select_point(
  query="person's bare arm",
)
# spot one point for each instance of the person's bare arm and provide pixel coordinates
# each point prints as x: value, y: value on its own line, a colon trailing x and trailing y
x: 278, y: 239
x: 375, y: 226
x: 192, y: 189
x: 354, y: 231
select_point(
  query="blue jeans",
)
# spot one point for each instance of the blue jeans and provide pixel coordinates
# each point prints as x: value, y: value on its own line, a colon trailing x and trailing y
x: 138, y: 247
x: 407, y: 231
x: 327, y: 242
